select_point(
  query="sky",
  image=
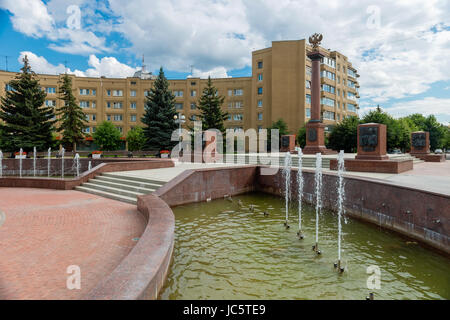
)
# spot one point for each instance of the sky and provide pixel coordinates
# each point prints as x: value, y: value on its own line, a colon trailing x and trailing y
x: 400, y: 48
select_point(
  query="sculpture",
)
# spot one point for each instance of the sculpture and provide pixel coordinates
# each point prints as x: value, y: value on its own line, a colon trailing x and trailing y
x: 315, y: 40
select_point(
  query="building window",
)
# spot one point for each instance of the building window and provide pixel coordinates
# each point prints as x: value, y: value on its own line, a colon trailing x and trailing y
x: 351, y: 107
x: 8, y: 87
x: 260, y: 128
x: 308, y: 71
x: 308, y: 99
x: 133, y: 93
x: 133, y: 118
x: 238, y: 104
x: 193, y: 106
x: 114, y: 93
x: 229, y: 117
x: 178, y: 93
x: 238, y: 92
x: 328, y: 115
x: 86, y: 130
x: 308, y: 112
x: 84, y: 104
x: 50, y: 90
x: 260, y: 77
x: 260, y: 116
x: 238, y: 117
x: 193, y: 83
x: 120, y: 129
x: 94, y: 105
x: 351, y: 73
x: 50, y: 103
x: 193, y: 93
x: 178, y: 106
x: 118, y: 117
x: 308, y: 84
x: 114, y: 105
x: 260, y: 103
x: 230, y: 93
x: 193, y: 117
x: 133, y: 105
x: 108, y: 117
x: 260, y: 64
x: 86, y: 117
x: 260, y: 90
x: 93, y: 129
x: 328, y: 102
x: 133, y: 83
x: 84, y: 92
x: 328, y: 88
x: 351, y: 95
x: 328, y: 74
x: 94, y: 117
x: 146, y: 93
x: 94, y: 92
x: 329, y: 62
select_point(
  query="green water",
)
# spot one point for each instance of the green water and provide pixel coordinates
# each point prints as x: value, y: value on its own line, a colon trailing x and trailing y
x: 224, y: 251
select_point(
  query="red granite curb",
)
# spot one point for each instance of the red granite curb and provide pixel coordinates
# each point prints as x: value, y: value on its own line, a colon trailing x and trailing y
x: 142, y: 274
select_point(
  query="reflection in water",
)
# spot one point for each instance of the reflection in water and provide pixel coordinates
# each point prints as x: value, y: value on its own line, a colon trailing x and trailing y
x: 224, y: 250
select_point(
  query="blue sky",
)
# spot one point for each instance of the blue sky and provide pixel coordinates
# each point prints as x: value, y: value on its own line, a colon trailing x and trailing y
x: 400, y: 48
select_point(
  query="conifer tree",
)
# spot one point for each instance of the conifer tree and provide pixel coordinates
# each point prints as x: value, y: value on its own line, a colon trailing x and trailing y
x: 159, y: 122
x: 72, y: 117
x: 210, y: 106
x: 27, y: 122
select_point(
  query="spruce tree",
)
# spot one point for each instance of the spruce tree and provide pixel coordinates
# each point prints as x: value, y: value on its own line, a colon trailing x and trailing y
x: 159, y: 115
x: 210, y: 106
x: 72, y: 117
x: 27, y: 122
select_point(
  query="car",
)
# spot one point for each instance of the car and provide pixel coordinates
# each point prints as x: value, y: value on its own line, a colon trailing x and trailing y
x: 438, y: 151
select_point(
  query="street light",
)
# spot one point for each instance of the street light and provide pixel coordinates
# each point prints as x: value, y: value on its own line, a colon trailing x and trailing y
x: 180, y: 119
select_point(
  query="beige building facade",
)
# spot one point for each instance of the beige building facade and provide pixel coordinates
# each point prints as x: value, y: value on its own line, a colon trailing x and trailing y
x: 277, y: 89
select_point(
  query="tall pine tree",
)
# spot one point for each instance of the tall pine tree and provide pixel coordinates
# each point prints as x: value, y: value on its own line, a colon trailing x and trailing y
x: 159, y: 115
x: 27, y: 122
x: 72, y: 117
x: 210, y: 106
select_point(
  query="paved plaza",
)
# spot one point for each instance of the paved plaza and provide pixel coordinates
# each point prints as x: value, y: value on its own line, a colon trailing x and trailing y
x: 45, y: 231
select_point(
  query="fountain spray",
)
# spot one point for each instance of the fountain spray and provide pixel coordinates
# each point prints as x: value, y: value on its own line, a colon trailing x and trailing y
x: 341, y: 170
x: 62, y: 162
x: 20, y: 162
x: 318, y: 182
x: 49, y: 159
x: 76, y: 161
x: 300, y: 183
x: 287, y: 186
x: 34, y: 162
x: 90, y: 166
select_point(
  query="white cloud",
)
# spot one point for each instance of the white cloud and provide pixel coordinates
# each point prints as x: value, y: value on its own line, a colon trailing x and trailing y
x: 29, y: 17
x: 426, y: 106
x: 219, y: 72
x: 107, y: 66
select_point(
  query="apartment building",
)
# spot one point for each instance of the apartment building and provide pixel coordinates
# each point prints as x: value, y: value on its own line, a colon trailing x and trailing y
x: 278, y: 88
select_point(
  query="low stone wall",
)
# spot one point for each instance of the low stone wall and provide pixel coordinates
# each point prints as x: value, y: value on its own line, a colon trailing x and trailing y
x: 379, y: 166
x: 68, y: 184
x: 418, y: 214
x: 430, y: 157
x: 142, y: 274
x: 199, y: 185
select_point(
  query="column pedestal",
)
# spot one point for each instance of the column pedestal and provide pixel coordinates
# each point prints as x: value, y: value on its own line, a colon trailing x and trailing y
x: 315, y: 139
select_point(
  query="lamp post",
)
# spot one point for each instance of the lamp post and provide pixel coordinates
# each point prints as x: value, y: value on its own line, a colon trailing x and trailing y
x: 179, y: 119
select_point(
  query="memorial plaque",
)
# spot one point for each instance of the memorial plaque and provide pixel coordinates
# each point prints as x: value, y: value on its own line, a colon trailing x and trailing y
x: 368, y: 138
x: 419, y: 140
x: 312, y: 135
x: 285, y: 141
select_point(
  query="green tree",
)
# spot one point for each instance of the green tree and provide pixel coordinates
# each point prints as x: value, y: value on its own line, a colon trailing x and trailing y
x: 344, y: 135
x: 27, y: 122
x: 301, y: 137
x: 107, y: 137
x: 159, y: 115
x: 280, y: 125
x: 72, y: 117
x: 136, y: 139
x: 210, y: 106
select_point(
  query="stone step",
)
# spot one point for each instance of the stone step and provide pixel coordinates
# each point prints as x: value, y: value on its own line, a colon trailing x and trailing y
x: 109, y: 195
x: 129, y: 182
x: 133, y: 178
x: 123, y: 186
x: 131, y: 194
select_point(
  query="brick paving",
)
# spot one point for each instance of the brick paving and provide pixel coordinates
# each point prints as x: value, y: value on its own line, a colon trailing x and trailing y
x: 45, y: 231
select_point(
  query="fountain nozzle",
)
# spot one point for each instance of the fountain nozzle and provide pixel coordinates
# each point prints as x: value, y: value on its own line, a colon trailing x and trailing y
x: 286, y: 225
x: 371, y: 296
x: 300, y: 235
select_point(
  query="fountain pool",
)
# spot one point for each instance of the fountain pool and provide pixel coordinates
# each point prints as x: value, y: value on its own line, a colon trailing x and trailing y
x: 226, y: 251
